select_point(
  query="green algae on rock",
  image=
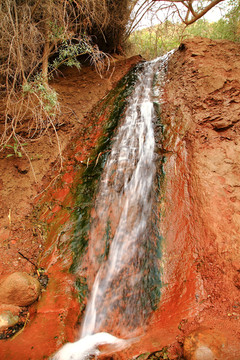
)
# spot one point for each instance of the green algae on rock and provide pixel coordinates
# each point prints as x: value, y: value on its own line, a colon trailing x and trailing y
x: 112, y: 109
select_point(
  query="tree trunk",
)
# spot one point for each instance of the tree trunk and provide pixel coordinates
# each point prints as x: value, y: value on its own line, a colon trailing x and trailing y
x: 46, y: 53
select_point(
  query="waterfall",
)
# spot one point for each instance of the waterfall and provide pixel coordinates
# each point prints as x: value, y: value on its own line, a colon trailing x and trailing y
x: 125, y: 198
x: 122, y: 248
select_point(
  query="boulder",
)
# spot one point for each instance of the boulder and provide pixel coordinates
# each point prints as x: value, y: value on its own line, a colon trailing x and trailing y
x: 19, y: 289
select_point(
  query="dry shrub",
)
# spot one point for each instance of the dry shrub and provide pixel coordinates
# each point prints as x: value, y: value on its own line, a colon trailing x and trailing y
x: 31, y: 32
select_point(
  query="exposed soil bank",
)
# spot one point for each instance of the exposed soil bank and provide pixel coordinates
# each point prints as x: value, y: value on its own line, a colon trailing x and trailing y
x: 203, y: 109
x: 200, y: 214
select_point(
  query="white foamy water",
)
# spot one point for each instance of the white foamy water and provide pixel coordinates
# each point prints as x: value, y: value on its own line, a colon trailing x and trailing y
x: 87, y: 347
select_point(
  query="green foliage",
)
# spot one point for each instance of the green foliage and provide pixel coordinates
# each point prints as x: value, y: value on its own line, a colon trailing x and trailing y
x: 82, y: 288
x: 156, y: 40
x: 200, y: 28
x: 15, y: 148
x: 57, y: 32
x: 68, y: 53
x: 47, y: 97
x: 229, y: 28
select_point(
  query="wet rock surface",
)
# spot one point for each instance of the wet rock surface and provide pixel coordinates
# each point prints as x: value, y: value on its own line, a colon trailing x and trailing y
x: 19, y: 289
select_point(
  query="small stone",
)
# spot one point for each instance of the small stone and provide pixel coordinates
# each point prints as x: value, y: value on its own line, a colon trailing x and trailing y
x: 204, y: 353
x: 203, y: 344
x: 7, y: 319
x: 19, y: 289
x: 9, y: 316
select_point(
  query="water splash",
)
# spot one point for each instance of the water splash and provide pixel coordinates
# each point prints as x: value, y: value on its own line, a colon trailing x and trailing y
x: 87, y: 347
x: 128, y: 282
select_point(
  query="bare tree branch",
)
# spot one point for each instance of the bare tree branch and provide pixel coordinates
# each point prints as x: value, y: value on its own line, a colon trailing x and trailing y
x: 190, y: 10
x: 197, y: 16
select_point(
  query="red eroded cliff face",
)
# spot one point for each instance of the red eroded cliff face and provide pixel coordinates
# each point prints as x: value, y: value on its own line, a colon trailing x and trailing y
x: 203, y: 95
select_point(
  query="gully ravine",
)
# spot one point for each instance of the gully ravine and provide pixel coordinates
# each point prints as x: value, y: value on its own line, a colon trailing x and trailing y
x: 197, y: 151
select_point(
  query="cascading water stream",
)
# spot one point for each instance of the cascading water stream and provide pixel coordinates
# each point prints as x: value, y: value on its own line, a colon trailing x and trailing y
x: 122, y: 249
x: 126, y: 194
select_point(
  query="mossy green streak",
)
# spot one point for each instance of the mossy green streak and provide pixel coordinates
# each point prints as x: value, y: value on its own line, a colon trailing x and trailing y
x: 112, y: 108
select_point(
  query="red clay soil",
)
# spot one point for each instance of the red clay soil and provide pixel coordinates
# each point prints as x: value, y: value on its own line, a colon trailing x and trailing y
x: 53, y: 319
x: 200, y: 303
x: 203, y: 108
